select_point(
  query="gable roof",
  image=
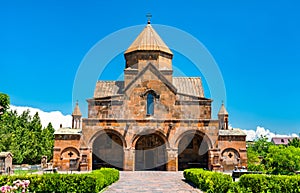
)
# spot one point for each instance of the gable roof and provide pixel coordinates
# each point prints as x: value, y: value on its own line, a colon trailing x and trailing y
x: 281, y: 140
x: 148, y: 40
x: 108, y: 88
x: 5, y: 154
x: 191, y: 86
x: 155, y: 71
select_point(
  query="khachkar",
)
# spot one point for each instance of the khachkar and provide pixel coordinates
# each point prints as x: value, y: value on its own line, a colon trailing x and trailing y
x: 149, y: 121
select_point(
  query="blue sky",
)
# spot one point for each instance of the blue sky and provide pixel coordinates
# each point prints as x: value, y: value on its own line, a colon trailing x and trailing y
x: 255, y: 44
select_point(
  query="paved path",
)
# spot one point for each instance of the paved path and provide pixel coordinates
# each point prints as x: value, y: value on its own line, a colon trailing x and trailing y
x: 151, y: 181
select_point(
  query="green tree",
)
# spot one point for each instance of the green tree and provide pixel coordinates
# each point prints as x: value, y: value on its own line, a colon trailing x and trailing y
x: 283, y: 160
x: 254, y: 163
x: 294, y: 142
x: 25, y: 137
x: 48, y: 141
x: 261, y: 146
x: 252, y: 156
x: 4, y: 103
x: 256, y: 152
x: 7, y: 125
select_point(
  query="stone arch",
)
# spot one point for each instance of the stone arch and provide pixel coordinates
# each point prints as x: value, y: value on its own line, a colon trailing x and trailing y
x: 193, y: 147
x: 158, y: 132
x: 108, y: 130
x: 70, y: 158
x: 150, y: 91
x: 150, y: 152
x: 70, y: 153
x: 230, y: 158
x: 108, y: 149
x: 195, y: 132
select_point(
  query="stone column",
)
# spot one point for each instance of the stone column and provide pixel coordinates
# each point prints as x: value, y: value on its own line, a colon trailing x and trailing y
x: 90, y: 158
x: 172, y: 164
x: 214, y: 159
x: 129, y: 159
x: 243, y: 157
x: 86, y: 161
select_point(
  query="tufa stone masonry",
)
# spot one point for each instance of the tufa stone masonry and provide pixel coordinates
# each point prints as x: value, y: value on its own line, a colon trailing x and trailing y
x: 149, y: 121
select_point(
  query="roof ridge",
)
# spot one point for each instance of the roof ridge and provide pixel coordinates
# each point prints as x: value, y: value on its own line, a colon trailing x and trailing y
x: 110, y: 80
x: 187, y: 77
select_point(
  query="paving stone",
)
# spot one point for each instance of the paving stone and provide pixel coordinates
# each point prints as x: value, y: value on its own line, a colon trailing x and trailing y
x: 151, y: 182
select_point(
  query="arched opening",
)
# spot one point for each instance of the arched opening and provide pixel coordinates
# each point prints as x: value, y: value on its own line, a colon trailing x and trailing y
x: 70, y: 159
x: 150, y: 153
x: 192, y: 152
x: 230, y: 158
x: 108, y: 151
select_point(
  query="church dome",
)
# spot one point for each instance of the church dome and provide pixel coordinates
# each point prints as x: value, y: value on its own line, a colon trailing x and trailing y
x: 148, y: 40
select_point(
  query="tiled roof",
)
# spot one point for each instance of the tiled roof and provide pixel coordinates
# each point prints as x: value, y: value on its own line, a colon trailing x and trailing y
x: 184, y: 85
x: 281, y: 140
x: 67, y: 130
x: 189, y: 85
x: 108, y: 88
x: 148, y: 39
x: 232, y: 132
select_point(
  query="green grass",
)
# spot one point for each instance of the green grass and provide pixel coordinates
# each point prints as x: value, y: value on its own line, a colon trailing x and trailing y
x: 24, y: 172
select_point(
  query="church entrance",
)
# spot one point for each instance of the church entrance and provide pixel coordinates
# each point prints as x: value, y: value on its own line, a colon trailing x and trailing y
x: 150, y: 153
x: 108, y: 151
x: 192, y: 152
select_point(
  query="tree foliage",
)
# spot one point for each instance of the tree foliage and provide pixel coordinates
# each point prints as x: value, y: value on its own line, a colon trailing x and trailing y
x: 269, y: 158
x: 283, y: 160
x: 25, y: 137
x: 294, y: 142
x: 261, y: 146
x: 4, y: 103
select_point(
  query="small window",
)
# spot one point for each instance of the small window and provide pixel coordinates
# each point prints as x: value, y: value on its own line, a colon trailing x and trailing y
x: 150, y: 104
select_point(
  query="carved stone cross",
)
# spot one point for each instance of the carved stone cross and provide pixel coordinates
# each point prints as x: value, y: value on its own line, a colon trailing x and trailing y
x: 149, y: 17
x: 70, y: 154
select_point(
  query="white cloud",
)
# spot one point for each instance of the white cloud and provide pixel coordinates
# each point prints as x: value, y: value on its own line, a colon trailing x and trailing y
x: 261, y: 131
x: 55, y: 117
x: 294, y: 135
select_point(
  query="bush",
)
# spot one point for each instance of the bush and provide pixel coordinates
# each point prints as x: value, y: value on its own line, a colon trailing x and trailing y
x: 91, y: 182
x: 269, y: 183
x: 256, y: 167
x: 217, y: 182
x: 110, y: 175
x: 208, y: 181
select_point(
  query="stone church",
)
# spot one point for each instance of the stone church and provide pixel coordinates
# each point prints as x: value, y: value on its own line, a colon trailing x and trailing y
x: 149, y: 121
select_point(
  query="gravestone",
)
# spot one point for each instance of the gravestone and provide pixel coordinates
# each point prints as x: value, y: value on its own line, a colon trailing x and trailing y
x: 6, y: 162
x: 44, y: 162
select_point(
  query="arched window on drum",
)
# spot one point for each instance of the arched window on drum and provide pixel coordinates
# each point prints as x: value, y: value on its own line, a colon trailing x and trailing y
x: 150, y: 104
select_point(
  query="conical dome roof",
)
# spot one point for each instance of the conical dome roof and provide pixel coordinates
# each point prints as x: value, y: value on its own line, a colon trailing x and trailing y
x: 223, y: 110
x: 76, y: 111
x: 147, y: 40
